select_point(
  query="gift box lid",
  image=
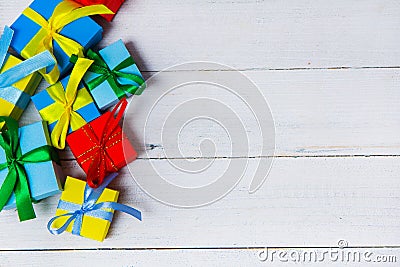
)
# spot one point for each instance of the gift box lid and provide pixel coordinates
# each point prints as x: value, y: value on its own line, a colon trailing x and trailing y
x: 43, y: 177
x: 84, y: 104
x: 113, y: 55
x: 93, y: 228
x: 84, y: 30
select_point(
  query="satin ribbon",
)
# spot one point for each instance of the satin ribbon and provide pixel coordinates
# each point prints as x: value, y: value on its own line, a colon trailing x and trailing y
x: 7, y: 91
x: 64, y: 13
x: 90, y: 207
x: 102, y: 163
x: 99, y: 66
x: 16, y: 180
x: 65, y: 99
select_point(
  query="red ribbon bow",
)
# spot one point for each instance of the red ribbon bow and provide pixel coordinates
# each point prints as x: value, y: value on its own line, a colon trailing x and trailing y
x: 102, y: 163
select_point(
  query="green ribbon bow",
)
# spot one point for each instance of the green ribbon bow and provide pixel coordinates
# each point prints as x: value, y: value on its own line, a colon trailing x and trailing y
x: 99, y: 66
x: 16, y: 180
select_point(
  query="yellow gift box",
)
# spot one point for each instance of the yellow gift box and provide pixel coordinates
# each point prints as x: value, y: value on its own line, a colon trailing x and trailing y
x: 93, y: 228
x: 15, y: 107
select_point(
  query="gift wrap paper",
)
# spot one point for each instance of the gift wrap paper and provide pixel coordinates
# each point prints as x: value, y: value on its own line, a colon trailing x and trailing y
x: 43, y: 177
x: 113, y: 55
x: 51, y: 111
x: 92, y: 227
x: 84, y: 31
x: 113, y: 5
x: 100, y: 147
x: 25, y: 88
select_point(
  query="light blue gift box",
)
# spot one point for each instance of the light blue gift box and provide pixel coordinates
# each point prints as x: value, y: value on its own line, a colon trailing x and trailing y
x: 88, y: 112
x: 113, y: 55
x: 43, y: 177
x: 85, y: 31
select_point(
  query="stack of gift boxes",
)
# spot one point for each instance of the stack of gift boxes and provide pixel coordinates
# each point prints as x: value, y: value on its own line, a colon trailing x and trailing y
x: 81, y: 107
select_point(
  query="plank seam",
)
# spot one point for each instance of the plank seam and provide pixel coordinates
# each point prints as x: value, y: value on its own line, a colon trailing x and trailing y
x: 262, y: 157
x: 192, y: 248
x: 278, y: 69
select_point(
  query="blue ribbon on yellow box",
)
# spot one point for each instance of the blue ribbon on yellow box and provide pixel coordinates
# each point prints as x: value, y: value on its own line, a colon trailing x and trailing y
x: 8, y: 92
x: 89, y: 207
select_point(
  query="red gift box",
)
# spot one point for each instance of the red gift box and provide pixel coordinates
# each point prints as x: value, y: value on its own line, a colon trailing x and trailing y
x: 100, y: 147
x: 113, y: 5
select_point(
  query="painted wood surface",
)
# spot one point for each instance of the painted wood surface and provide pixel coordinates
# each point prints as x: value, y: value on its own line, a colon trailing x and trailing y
x: 330, y: 76
x: 199, y: 257
x: 304, y: 202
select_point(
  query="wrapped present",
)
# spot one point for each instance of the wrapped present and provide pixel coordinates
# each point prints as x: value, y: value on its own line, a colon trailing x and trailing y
x: 18, y: 80
x: 28, y: 171
x: 113, y: 75
x: 61, y: 27
x: 100, y: 147
x: 87, y: 212
x: 113, y: 5
x: 67, y: 105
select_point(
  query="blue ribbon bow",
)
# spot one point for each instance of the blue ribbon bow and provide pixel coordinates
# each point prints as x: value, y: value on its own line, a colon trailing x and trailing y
x: 90, y: 208
x: 18, y: 72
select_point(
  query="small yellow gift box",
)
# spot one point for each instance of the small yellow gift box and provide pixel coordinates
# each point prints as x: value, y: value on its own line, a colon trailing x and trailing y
x: 12, y: 105
x: 87, y: 211
x: 92, y: 227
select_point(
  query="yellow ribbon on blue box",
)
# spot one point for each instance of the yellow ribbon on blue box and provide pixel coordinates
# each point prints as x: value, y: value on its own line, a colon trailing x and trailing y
x: 54, y: 33
x: 67, y: 105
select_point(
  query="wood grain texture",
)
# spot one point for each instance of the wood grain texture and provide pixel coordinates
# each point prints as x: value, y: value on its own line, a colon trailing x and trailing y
x: 330, y: 75
x: 304, y: 202
x: 179, y: 257
x: 253, y: 34
x: 316, y: 113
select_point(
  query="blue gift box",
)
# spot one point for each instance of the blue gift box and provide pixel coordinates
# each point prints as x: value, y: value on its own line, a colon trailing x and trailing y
x: 113, y: 55
x: 85, y: 31
x: 84, y: 105
x: 44, y: 177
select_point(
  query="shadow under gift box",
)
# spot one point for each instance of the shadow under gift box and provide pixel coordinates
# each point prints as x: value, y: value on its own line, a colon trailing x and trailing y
x: 43, y: 177
x: 13, y: 105
x: 92, y: 227
x: 83, y: 105
x: 113, y: 55
x: 85, y: 31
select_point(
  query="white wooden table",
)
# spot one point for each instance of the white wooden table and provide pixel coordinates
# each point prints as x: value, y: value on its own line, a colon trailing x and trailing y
x: 330, y: 73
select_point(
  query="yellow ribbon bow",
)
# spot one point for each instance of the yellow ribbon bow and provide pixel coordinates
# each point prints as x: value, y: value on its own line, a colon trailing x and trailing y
x: 66, y: 101
x: 64, y: 13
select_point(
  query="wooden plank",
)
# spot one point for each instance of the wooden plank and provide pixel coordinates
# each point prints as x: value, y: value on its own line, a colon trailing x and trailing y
x: 200, y: 257
x: 316, y: 113
x: 253, y: 34
x: 305, y: 202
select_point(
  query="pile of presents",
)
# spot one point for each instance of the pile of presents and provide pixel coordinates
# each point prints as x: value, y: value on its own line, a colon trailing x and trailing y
x: 82, y: 107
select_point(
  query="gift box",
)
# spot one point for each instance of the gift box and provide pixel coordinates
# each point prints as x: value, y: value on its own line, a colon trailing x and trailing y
x: 100, y: 147
x: 92, y: 227
x: 113, y: 75
x: 61, y: 27
x: 32, y: 161
x: 13, y: 105
x: 87, y: 212
x: 66, y: 105
x: 18, y: 79
x: 113, y: 5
